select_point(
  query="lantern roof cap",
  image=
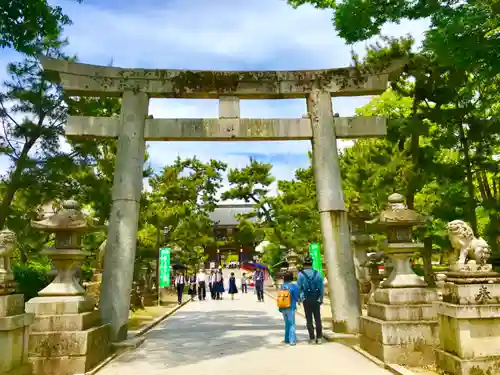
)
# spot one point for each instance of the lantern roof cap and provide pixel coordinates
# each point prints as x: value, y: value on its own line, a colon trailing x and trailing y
x: 67, y: 219
x: 397, y: 214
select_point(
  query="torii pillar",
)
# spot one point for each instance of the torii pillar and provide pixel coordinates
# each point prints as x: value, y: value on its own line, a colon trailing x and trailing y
x: 342, y: 284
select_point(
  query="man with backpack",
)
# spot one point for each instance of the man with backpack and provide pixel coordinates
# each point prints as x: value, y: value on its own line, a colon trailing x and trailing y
x: 288, y: 297
x: 311, y: 291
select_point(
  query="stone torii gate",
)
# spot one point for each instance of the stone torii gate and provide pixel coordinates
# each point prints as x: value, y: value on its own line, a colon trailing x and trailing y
x: 134, y: 127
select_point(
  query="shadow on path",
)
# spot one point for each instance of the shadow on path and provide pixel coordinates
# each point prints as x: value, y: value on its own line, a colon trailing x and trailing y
x: 193, y: 336
x: 223, y: 337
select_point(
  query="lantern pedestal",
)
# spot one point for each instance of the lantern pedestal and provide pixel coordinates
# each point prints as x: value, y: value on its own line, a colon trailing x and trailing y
x: 401, y: 326
x: 469, y: 317
x: 67, y: 336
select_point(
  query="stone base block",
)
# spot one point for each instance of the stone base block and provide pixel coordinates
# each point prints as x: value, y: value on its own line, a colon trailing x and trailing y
x: 73, y: 365
x: 405, y: 296
x: 14, y: 342
x: 68, y: 343
x: 11, y: 305
x: 68, y: 352
x: 402, y: 312
x: 401, y: 342
x: 471, y: 294
x: 454, y: 365
x: 469, y: 331
x: 60, y: 305
x: 93, y: 289
x: 21, y: 370
x: 7, y: 287
x: 69, y: 322
x: 412, y: 354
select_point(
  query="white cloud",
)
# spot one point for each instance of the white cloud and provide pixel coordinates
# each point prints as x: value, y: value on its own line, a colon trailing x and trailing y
x: 216, y: 34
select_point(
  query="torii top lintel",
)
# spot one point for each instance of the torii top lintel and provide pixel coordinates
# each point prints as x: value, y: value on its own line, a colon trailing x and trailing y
x: 95, y: 80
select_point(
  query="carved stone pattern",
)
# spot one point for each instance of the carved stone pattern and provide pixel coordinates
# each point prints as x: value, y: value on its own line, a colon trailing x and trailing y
x: 483, y: 295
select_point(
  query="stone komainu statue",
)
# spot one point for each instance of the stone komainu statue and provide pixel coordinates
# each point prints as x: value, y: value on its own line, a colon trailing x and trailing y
x: 466, y: 245
x: 8, y: 242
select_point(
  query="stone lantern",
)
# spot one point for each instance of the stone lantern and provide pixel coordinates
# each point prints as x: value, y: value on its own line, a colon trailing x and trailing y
x: 398, y: 222
x: 361, y: 241
x: 401, y: 321
x: 65, y: 316
x: 68, y: 225
x: 291, y: 259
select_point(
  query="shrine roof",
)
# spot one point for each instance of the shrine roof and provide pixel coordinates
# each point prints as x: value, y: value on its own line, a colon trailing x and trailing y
x: 226, y: 214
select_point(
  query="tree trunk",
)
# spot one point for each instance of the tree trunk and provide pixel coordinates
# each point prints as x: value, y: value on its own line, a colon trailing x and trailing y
x: 413, y: 182
x: 414, y: 152
x: 492, y: 232
x: 470, y: 179
x: 427, y: 260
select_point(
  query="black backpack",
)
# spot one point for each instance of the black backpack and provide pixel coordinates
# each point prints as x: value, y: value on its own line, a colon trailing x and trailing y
x: 311, y: 292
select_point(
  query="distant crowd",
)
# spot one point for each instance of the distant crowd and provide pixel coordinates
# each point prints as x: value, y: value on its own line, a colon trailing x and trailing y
x: 308, y: 291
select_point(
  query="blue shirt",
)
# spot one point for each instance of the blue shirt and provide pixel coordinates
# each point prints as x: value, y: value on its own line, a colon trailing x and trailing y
x: 294, y: 294
x: 317, y: 282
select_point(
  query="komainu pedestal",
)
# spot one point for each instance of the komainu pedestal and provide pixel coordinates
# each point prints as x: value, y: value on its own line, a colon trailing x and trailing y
x: 469, y: 324
x: 14, y: 323
x: 67, y: 336
x: 401, y: 326
x: 469, y: 314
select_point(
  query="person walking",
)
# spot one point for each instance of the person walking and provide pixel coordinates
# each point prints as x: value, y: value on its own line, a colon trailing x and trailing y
x: 201, y: 281
x: 311, y: 290
x: 219, y: 284
x: 180, y: 281
x: 244, y: 286
x: 287, y: 304
x: 211, y: 284
x: 258, y: 278
x: 232, y: 285
x: 192, y: 286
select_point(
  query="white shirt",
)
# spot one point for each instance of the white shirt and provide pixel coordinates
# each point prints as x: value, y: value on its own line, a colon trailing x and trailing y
x: 179, y: 280
x: 202, y: 276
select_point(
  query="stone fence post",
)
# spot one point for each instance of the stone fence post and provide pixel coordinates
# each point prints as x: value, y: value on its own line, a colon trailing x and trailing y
x: 14, y: 323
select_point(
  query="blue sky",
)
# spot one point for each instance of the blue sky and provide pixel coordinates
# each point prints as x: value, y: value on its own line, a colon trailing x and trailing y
x: 215, y: 34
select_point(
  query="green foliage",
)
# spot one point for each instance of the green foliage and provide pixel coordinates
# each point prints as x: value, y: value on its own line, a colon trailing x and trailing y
x: 31, y: 278
x: 23, y: 23
x: 183, y: 195
x: 455, y: 27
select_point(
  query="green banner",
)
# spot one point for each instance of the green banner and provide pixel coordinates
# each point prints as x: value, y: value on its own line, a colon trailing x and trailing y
x: 164, y: 267
x: 315, y: 253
